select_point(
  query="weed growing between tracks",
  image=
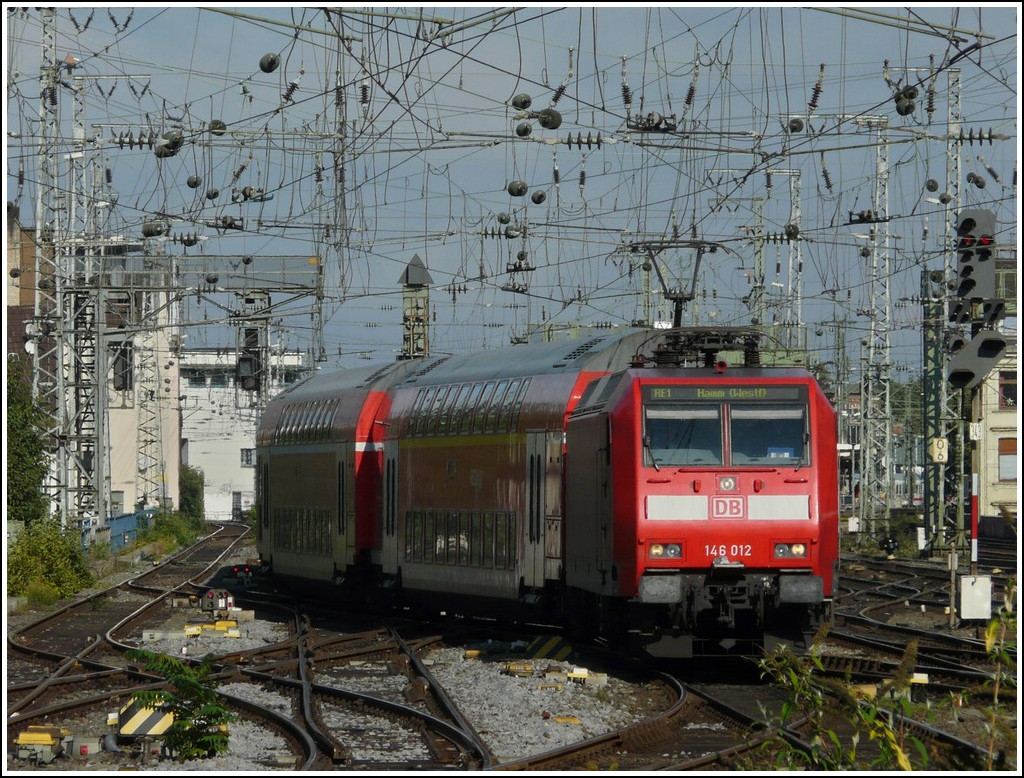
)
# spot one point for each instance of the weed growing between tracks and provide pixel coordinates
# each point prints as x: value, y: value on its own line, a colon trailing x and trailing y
x: 813, y: 696
x: 1002, y: 653
x: 832, y: 707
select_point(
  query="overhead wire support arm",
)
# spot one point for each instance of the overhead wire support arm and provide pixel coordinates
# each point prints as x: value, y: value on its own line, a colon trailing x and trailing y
x: 888, y: 20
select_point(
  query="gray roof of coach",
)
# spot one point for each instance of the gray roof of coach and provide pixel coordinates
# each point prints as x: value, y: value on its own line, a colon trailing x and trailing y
x: 334, y: 380
x: 611, y: 351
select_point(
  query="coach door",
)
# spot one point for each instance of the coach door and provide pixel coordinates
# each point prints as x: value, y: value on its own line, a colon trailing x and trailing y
x: 389, y: 531
x: 542, y: 533
x: 344, y: 529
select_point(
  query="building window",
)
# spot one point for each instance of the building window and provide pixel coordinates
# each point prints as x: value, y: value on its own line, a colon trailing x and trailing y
x: 116, y: 503
x: 248, y: 457
x: 1007, y: 389
x: 1007, y: 459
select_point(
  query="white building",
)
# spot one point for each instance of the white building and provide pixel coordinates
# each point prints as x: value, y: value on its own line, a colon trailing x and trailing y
x: 996, y: 450
x: 218, y: 424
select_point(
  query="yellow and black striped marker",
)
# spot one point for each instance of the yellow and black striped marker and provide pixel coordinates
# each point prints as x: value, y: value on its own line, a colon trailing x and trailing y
x: 549, y: 647
x: 136, y: 719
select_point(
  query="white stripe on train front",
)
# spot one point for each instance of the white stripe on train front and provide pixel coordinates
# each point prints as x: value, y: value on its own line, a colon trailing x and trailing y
x: 679, y: 507
x: 369, y: 447
x: 782, y: 506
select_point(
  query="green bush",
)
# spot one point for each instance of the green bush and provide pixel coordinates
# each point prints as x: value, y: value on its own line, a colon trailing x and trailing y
x: 190, y: 492
x: 27, y: 454
x: 174, y: 529
x: 45, y: 555
x: 41, y: 594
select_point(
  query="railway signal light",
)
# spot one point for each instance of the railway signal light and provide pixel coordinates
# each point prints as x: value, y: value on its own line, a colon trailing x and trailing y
x: 960, y: 311
x: 971, y: 361
x: 975, y: 360
x: 975, y: 249
x: 992, y: 312
x: 247, y: 372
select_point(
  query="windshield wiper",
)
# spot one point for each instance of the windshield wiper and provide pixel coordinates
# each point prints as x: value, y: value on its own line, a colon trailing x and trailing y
x: 647, y: 447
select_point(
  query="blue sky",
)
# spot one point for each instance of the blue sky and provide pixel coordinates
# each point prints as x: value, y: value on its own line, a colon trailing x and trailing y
x: 711, y: 120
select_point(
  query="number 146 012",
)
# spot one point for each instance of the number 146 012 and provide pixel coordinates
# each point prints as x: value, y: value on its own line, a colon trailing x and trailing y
x: 733, y: 550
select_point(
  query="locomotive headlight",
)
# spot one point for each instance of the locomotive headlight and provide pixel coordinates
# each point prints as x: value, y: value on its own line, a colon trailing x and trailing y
x: 727, y: 483
x: 665, y: 550
x: 790, y: 550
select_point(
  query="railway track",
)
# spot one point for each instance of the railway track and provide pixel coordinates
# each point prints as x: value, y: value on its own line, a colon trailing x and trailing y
x: 331, y: 690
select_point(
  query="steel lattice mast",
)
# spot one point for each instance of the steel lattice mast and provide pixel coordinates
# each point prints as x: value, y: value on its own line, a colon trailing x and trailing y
x: 876, y: 440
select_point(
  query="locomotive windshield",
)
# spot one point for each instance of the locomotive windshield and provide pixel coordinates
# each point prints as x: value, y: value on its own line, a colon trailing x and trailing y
x: 725, y: 426
x: 683, y: 435
x: 767, y: 434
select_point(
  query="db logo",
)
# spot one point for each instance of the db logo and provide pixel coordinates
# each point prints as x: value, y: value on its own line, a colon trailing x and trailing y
x: 727, y: 507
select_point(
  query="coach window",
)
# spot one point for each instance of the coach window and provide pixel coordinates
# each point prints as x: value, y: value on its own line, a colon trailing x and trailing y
x: 518, y: 404
x: 494, y: 411
x: 428, y: 537
x: 434, y: 411
x: 472, y: 401
x: 444, y: 412
x: 682, y: 435
x: 474, y: 539
x: 415, y: 542
x: 420, y: 408
x: 768, y: 434
x: 320, y: 420
x: 500, y: 542
x: 449, y: 423
x: 286, y: 424
x: 440, y: 537
x: 508, y: 404
x: 464, y: 536
x: 315, y: 411
x: 314, y: 422
x: 513, y: 545
x: 487, y: 557
x: 459, y: 410
x: 480, y: 413
x: 329, y: 418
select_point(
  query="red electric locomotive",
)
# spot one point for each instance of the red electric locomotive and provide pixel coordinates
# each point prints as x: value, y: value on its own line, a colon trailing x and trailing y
x: 490, y: 485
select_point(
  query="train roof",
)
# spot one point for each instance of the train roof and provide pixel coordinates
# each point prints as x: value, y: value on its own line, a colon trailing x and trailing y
x: 608, y: 351
x: 334, y: 380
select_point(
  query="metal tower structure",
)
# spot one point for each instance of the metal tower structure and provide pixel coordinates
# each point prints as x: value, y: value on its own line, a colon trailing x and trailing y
x: 68, y: 321
x: 943, y: 415
x: 793, y: 336
x: 415, y: 281
x: 148, y: 471
x: 85, y: 278
x: 876, y: 441
x: 48, y: 355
